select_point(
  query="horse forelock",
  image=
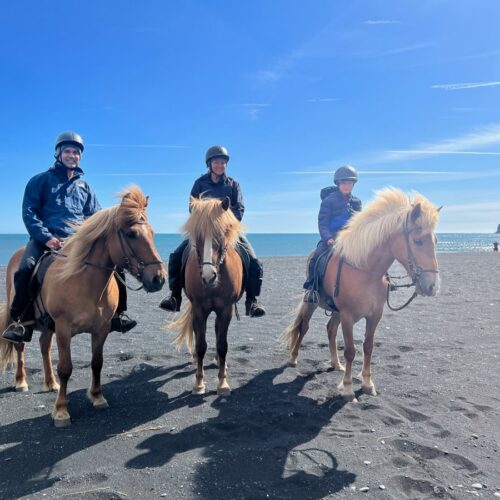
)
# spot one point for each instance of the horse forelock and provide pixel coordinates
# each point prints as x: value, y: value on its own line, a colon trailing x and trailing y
x: 209, y: 219
x: 381, y: 218
x: 132, y: 207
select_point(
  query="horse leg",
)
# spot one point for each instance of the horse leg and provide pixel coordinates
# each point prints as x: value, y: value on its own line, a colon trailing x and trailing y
x: 94, y: 392
x: 299, y: 329
x: 345, y: 385
x: 21, y: 383
x: 366, y: 374
x: 64, y: 369
x: 332, y: 329
x: 221, y: 327
x: 200, y: 328
x: 50, y: 383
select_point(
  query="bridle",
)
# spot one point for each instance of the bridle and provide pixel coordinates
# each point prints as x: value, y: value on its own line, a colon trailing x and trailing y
x: 415, y: 271
x: 221, y: 255
x: 128, y: 254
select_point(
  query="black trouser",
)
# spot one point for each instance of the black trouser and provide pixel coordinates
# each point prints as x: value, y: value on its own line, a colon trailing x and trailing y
x: 122, y: 294
x: 176, y: 276
x: 22, y: 277
x: 321, y: 248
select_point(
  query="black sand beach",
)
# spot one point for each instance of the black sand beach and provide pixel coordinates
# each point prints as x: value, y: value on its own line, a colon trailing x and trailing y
x: 285, y: 433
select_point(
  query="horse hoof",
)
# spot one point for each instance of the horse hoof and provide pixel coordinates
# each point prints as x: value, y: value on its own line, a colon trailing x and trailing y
x: 100, y: 404
x: 292, y: 363
x: 22, y: 388
x: 198, y: 390
x: 223, y: 391
x: 350, y: 398
x: 370, y: 390
x: 50, y: 388
x: 62, y: 422
x: 338, y: 368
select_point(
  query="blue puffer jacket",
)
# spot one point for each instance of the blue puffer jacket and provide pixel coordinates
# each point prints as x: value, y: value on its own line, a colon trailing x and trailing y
x: 335, y: 211
x: 227, y: 186
x: 52, y: 202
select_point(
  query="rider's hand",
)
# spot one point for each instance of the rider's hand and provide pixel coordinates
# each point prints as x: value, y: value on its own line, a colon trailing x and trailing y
x: 54, y: 244
x: 330, y: 242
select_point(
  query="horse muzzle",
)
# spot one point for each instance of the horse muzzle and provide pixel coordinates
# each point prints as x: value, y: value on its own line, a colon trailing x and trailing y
x: 428, y: 285
x: 154, y: 283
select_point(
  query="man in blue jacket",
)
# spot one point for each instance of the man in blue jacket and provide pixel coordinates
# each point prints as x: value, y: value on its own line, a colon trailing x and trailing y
x: 53, y: 201
x: 216, y: 184
x: 337, y: 207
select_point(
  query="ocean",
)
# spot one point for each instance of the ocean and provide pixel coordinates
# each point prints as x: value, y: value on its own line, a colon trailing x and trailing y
x: 292, y: 245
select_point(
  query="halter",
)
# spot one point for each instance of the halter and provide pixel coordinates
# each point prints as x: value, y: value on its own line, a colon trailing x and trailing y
x: 220, y: 258
x: 414, y: 269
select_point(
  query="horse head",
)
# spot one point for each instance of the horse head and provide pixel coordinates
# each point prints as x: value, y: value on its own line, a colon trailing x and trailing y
x: 212, y: 229
x: 131, y: 245
x: 415, y: 246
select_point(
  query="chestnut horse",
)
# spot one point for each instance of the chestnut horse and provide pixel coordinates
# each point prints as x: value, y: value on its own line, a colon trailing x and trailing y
x: 80, y: 292
x: 213, y: 282
x: 392, y: 227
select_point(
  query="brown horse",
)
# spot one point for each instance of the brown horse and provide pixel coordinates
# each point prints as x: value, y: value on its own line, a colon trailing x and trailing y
x: 213, y: 282
x: 392, y: 227
x: 80, y: 292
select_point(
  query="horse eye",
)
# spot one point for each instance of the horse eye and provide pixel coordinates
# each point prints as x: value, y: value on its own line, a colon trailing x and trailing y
x: 132, y: 235
x: 418, y: 242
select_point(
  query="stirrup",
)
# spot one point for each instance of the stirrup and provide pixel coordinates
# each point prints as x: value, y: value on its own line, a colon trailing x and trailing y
x: 171, y: 303
x: 311, y: 296
x: 17, y: 333
x: 254, y: 309
x: 122, y: 323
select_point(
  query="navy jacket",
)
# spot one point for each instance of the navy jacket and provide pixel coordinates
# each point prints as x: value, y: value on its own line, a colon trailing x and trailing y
x: 335, y: 211
x: 226, y: 186
x: 52, y: 202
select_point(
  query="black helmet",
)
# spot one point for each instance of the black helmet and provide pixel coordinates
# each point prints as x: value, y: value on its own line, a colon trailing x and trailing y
x: 345, y: 173
x: 216, y: 152
x: 68, y: 138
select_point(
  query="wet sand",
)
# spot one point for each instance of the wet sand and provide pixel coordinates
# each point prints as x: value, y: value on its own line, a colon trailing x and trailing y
x: 432, y: 431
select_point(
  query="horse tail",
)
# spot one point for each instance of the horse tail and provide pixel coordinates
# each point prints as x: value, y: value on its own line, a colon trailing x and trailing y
x: 185, y: 326
x: 291, y: 334
x: 7, y: 355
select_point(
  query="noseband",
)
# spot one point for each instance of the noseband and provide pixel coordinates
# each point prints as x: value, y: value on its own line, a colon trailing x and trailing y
x: 128, y: 256
x: 414, y: 270
x: 221, y: 255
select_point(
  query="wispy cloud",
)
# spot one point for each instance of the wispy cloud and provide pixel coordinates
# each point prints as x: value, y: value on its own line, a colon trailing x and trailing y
x: 143, y: 174
x: 159, y: 146
x: 253, y: 109
x: 382, y: 21
x: 462, y: 86
x: 473, y: 207
x: 406, y: 48
x: 324, y: 99
x: 467, y: 144
x: 374, y: 172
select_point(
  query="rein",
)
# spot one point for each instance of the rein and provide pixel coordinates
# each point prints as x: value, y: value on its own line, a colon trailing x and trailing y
x: 415, y: 271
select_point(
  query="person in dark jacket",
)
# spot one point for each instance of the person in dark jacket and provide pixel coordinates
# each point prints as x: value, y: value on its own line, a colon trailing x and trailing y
x: 216, y: 184
x: 53, y: 202
x: 337, y: 207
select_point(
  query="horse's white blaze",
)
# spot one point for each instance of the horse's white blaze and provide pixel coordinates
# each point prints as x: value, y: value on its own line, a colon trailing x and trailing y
x: 207, y: 270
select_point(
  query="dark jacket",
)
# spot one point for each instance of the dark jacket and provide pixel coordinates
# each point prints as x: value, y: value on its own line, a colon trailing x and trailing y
x: 226, y: 186
x: 52, y: 202
x: 335, y: 211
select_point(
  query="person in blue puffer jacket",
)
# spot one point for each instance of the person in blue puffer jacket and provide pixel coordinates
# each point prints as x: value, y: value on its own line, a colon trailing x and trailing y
x: 54, y: 202
x: 337, y: 207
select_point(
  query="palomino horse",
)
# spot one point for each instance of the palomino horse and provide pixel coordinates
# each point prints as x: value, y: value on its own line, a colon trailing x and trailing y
x: 80, y: 292
x: 392, y: 227
x: 213, y: 282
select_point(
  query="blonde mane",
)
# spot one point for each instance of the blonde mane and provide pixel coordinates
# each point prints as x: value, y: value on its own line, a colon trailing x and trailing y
x: 78, y: 246
x: 382, y: 217
x: 209, y: 219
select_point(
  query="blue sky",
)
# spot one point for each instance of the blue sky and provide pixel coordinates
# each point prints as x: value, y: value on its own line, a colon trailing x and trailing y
x: 408, y: 92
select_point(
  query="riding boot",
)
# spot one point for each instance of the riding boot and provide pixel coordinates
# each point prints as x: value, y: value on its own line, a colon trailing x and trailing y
x: 311, y: 296
x: 18, y: 333
x: 121, y: 322
x: 175, y: 280
x: 254, y: 285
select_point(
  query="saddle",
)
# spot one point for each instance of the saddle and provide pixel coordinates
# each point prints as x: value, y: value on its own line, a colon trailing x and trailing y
x: 240, y: 249
x: 319, y: 275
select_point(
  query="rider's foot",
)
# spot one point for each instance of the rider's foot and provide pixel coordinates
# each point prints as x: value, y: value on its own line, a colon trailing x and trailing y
x: 172, y: 303
x: 254, y: 309
x: 122, y: 323
x: 17, y: 333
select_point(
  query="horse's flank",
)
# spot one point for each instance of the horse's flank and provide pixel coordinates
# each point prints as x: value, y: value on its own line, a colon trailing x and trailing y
x: 373, y: 226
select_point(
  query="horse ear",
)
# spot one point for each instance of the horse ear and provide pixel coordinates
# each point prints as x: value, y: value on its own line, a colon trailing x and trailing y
x: 439, y: 209
x: 226, y: 203
x: 146, y: 202
x: 416, y: 212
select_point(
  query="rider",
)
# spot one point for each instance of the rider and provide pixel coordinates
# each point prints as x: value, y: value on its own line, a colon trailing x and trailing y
x: 337, y: 207
x: 216, y: 184
x: 54, y: 201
